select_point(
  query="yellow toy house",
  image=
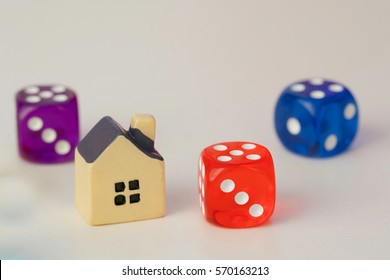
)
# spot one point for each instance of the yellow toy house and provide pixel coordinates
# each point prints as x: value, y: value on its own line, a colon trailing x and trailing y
x: 120, y: 177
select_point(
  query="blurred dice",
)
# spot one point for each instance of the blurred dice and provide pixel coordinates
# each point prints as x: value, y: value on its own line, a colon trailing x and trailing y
x: 316, y: 118
x: 47, y: 123
x: 236, y: 184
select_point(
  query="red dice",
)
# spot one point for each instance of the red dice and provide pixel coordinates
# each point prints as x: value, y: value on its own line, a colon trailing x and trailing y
x: 236, y: 184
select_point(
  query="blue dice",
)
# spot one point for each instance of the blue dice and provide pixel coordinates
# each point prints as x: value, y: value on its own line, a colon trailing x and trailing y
x: 316, y: 118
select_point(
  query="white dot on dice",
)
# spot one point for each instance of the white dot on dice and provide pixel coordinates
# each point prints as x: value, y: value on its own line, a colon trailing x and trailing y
x: 46, y: 94
x: 33, y: 99
x: 293, y: 126
x: 316, y: 81
x: 256, y: 210
x: 227, y: 185
x: 330, y: 142
x: 58, y: 89
x: 317, y: 94
x: 349, y: 111
x: 220, y: 148
x: 298, y: 87
x: 241, y: 198
x: 60, y: 98
x: 35, y: 124
x: 224, y: 158
x: 236, y: 153
x: 203, y: 211
x: 336, y: 88
x: 253, y: 157
x: 248, y: 146
x: 49, y: 135
x: 62, y: 147
x: 31, y: 90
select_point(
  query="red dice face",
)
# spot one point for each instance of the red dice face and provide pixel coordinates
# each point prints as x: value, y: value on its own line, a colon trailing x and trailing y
x: 236, y: 184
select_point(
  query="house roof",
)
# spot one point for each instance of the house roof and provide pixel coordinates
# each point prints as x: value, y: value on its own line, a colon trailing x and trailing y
x: 105, y: 132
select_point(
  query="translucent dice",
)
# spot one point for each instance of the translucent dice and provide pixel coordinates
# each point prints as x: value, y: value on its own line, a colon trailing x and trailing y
x: 236, y: 184
x: 47, y: 123
x: 316, y: 118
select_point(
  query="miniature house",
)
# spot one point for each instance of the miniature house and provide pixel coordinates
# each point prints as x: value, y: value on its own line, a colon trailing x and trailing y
x: 120, y: 177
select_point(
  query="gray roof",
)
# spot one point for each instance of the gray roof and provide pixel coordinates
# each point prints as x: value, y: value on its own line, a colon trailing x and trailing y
x: 105, y: 132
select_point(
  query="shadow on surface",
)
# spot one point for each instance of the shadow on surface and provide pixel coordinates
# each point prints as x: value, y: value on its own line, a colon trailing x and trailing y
x: 289, y: 206
x: 179, y: 198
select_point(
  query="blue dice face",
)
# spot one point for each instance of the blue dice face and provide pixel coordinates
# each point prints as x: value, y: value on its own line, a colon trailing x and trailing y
x: 316, y: 118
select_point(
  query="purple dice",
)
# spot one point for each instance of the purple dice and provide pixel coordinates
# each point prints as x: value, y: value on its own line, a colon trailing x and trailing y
x: 48, y: 125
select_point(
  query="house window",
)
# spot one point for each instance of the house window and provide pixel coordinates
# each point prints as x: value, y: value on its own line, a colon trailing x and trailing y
x: 120, y: 200
x: 134, y: 198
x: 134, y: 185
x: 120, y: 189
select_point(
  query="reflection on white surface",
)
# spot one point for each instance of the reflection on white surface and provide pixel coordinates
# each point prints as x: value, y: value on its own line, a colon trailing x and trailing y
x: 17, y: 199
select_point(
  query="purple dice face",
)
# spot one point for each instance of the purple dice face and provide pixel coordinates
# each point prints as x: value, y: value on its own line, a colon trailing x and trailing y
x: 48, y: 125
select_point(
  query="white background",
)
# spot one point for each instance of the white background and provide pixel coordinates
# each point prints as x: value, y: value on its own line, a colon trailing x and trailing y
x: 209, y: 71
x: 215, y: 269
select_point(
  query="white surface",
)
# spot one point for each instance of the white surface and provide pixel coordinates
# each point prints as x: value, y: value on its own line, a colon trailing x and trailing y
x: 210, y: 71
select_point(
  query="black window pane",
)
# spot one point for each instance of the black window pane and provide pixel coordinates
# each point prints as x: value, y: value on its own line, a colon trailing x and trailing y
x: 120, y: 200
x: 120, y: 187
x: 134, y: 185
x: 134, y: 198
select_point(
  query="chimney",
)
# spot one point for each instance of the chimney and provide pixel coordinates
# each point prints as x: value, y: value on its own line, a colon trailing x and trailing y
x: 145, y: 123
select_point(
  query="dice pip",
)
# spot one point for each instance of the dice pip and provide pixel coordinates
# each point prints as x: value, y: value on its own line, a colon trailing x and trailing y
x: 47, y: 123
x: 120, y: 177
x: 316, y: 118
x: 236, y: 184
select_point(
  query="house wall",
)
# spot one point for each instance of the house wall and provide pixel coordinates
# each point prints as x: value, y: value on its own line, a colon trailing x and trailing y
x: 83, y: 190
x: 122, y: 161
